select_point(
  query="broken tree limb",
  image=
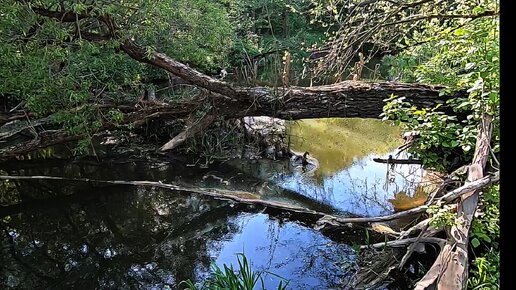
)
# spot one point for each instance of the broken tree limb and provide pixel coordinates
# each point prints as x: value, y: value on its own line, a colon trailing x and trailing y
x: 450, y: 270
x: 397, y: 161
x: 231, y: 195
x: 421, y: 226
x: 323, y: 219
x: 452, y: 195
x: 240, y: 197
x: 405, y: 242
x: 192, y: 129
x: 6, y: 117
x: 470, y: 186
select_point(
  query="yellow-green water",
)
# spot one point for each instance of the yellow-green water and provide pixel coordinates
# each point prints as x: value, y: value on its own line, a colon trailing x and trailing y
x: 335, y: 143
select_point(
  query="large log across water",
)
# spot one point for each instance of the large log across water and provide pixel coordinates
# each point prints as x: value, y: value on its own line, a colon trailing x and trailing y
x: 345, y: 99
x: 348, y: 99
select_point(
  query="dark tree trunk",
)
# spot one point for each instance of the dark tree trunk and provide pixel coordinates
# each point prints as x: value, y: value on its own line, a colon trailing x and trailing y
x: 346, y: 99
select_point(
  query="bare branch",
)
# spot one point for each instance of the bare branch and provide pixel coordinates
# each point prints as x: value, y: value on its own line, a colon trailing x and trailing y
x: 62, y: 16
x: 444, y: 16
x: 405, y: 242
x: 189, y: 132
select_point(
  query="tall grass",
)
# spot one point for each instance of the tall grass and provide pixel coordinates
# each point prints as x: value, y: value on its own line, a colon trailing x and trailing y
x: 229, y: 279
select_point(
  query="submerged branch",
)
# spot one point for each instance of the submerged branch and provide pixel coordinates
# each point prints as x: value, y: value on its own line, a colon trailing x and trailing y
x: 405, y: 242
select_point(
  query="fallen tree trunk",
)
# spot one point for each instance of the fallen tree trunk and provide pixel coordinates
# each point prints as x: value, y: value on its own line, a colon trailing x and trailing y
x: 250, y: 198
x: 450, y: 270
x: 190, y: 131
x: 397, y: 161
x: 345, y: 99
x: 230, y: 195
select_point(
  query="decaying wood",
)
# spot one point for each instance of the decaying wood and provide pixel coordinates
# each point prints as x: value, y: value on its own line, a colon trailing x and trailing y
x: 405, y: 242
x: 191, y: 129
x: 345, y: 99
x: 222, y: 194
x: 384, y: 229
x: 416, y: 244
x: 448, y: 197
x: 13, y: 115
x: 469, y: 187
x: 397, y: 161
x: 374, y: 274
x: 421, y: 226
x: 323, y: 220
x: 450, y: 270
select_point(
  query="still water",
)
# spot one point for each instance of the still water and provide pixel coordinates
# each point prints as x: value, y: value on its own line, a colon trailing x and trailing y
x: 78, y: 235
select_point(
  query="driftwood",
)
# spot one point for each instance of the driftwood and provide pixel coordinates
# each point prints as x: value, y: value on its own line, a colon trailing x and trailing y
x: 232, y: 195
x: 406, y: 242
x: 250, y: 198
x: 397, y: 161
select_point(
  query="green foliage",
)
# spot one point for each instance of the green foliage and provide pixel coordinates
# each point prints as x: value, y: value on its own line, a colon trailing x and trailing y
x: 50, y: 68
x: 486, y: 225
x: 485, y: 273
x: 229, y: 279
x: 441, y: 137
x: 268, y: 28
x: 201, y: 33
x: 441, y: 215
x: 464, y: 58
x: 485, y: 233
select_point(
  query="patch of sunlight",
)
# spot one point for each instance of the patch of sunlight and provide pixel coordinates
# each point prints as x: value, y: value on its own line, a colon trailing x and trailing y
x: 403, y: 201
x: 430, y: 182
x: 337, y: 142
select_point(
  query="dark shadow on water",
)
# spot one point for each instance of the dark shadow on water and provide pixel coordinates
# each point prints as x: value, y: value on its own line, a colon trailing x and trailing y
x: 82, y: 235
x: 124, y: 237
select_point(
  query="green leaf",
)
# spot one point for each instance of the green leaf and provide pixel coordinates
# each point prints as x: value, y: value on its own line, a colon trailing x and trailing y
x: 475, y: 242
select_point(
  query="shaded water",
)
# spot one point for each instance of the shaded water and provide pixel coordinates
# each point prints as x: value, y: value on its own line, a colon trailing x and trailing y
x: 64, y: 234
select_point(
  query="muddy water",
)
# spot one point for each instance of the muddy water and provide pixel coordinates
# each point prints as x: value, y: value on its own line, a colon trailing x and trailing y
x: 64, y: 234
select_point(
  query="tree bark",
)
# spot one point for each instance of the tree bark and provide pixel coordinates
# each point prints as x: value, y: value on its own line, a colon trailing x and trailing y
x: 345, y: 99
x: 450, y: 270
x: 348, y: 99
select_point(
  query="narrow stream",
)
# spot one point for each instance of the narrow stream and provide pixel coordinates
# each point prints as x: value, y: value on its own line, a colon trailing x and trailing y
x: 64, y: 234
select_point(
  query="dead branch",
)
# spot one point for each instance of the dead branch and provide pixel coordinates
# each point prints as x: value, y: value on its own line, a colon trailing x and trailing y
x: 470, y: 186
x: 391, y: 160
x: 190, y: 131
x: 405, y: 242
x: 450, y: 270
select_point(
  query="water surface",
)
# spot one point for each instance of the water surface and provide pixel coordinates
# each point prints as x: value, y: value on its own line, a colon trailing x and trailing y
x: 66, y: 234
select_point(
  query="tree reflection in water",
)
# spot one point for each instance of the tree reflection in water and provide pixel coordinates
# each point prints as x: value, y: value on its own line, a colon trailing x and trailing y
x: 123, y: 237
